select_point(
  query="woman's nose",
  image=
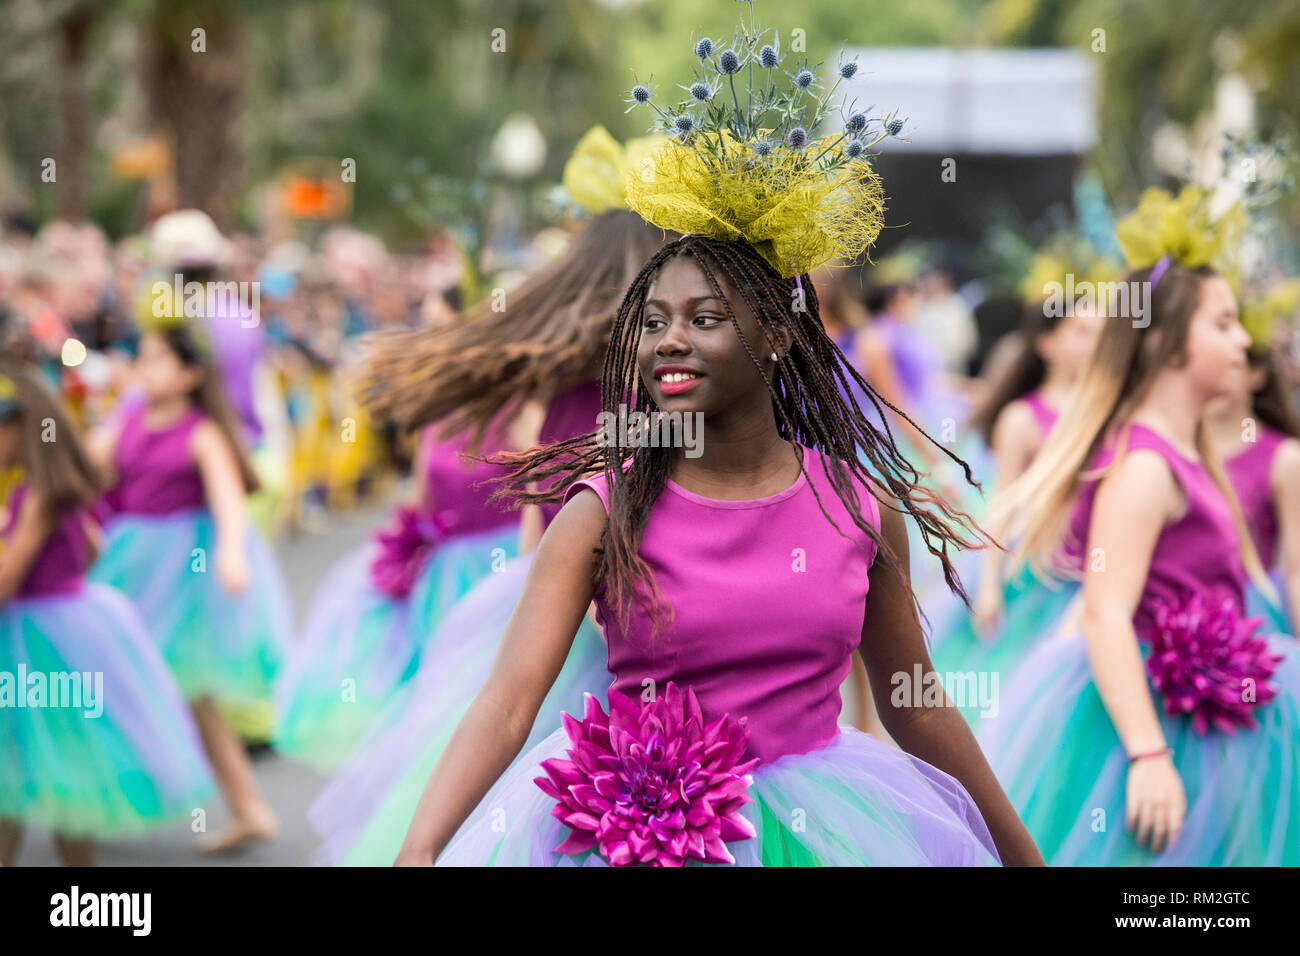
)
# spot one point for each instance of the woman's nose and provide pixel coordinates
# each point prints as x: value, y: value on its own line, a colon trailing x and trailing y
x: 676, y: 338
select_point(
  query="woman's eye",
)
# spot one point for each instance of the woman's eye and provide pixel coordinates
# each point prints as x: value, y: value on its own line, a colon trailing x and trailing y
x: 706, y: 317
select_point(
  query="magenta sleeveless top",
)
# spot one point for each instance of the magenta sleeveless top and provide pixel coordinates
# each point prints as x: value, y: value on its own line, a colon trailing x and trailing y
x: 457, y: 489
x: 64, y: 556
x: 156, y: 472
x: 572, y: 413
x: 768, y: 600
x: 1197, y: 553
x: 1249, y: 473
x: 1043, y: 413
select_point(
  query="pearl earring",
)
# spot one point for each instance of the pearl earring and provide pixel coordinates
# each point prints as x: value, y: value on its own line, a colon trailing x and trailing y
x: 774, y: 357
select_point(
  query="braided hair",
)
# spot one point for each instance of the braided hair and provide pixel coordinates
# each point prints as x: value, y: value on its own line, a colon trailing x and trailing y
x: 812, y: 397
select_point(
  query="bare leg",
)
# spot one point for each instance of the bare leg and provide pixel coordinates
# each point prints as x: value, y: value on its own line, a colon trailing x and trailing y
x: 11, y: 840
x: 251, y: 816
x: 75, y: 851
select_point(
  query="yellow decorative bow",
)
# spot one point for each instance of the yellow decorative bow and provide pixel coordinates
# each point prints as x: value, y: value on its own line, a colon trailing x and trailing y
x: 1182, y: 227
x: 1261, y: 313
x: 596, y: 174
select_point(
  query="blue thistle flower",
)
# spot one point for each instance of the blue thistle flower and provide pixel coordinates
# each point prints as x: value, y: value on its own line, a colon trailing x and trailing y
x: 856, y: 123
x: 704, y: 48
x: 797, y: 137
x: 729, y: 62
x: 768, y: 57
x: 762, y: 147
x: 894, y: 127
x: 639, y: 95
x: 848, y: 69
x: 702, y: 92
x: 803, y: 79
x: 853, y: 148
x: 684, y: 123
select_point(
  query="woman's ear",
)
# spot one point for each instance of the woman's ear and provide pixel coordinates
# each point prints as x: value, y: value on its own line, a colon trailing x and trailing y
x: 785, y: 339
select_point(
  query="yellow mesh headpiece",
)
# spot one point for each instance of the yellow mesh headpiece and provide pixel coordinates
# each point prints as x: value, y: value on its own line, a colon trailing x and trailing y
x: 1262, y: 313
x: 1182, y: 227
x: 761, y: 173
x: 903, y: 265
x: 1065, y: 255
x: 595, y: 176
x: 157, y: 313
x: 794, y: 214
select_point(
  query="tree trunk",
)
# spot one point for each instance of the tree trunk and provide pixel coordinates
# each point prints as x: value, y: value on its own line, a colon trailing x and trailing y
x: 196, y: 97
x: 74, y: 30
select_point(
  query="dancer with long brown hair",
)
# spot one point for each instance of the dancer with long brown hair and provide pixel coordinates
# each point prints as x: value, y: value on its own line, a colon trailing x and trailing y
x: 1133, y: 735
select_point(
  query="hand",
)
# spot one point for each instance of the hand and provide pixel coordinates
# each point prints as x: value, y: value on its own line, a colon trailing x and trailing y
x: 232, y: 570
x: 409, y: 856
x: 1155, y: 802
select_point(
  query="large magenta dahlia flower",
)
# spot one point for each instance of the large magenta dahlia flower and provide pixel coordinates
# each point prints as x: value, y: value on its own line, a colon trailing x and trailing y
x: 1204, y: 659
x: 404, y: 549
x: 651, y: 784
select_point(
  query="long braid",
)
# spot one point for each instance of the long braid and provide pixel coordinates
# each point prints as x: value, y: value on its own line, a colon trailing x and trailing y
x: 813, y: 403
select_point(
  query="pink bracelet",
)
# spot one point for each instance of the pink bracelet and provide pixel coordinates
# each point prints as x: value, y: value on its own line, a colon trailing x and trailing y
x: 1150, y: 753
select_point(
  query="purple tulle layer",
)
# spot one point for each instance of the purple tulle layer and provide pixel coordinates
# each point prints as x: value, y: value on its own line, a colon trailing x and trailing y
x: 854, y: 802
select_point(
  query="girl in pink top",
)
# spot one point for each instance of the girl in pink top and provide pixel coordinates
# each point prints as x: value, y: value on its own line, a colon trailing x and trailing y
x: 1007, y: 617
x: 95, y: 739
x: 1256, y: 433
x: 733, y: 587
x: 1153, y: 725
x: 183, y: 549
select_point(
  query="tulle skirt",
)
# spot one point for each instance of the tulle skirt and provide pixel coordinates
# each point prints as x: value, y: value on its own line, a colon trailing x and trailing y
x: 1277, y: 617
x: 360, y: 647
x: 1057, y: 755
x: 1030, y: 610
x: 126, y: 756
x: 365, y: 809
x: 853, y: 802
x: 217, y: 644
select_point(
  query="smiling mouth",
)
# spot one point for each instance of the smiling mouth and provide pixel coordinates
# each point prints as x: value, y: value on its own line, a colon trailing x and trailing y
x: 674, y: 383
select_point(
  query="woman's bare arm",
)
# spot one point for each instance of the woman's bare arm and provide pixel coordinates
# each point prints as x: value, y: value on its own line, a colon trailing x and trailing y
x: 101, y: 442
x: 537, y: 640
x: 1133, y: 503
x: 892, y: 643
x: 223, y: 488
x: 1015, y: 442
